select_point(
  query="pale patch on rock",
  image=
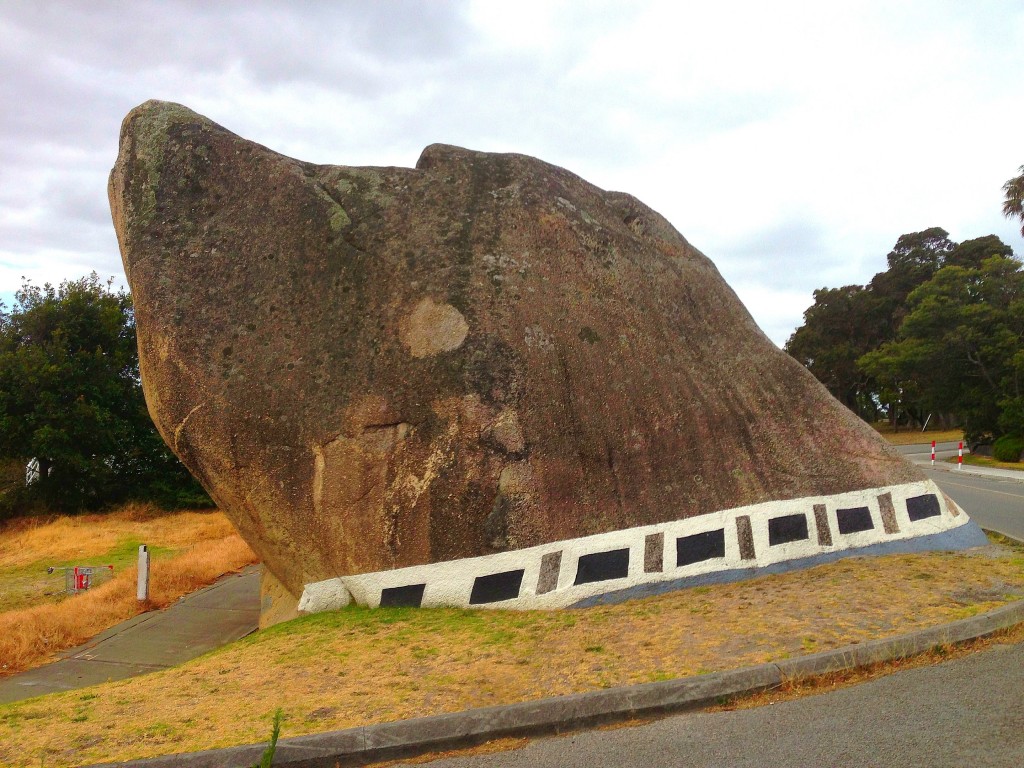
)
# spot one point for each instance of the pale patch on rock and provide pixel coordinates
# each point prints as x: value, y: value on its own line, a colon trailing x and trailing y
x: 515, y: 479
x: 440, y: 455
x: 277, y: 604
x: 507, y: 433
x: 537, y: 338
x: 432, y: 328
x: 351, y: 473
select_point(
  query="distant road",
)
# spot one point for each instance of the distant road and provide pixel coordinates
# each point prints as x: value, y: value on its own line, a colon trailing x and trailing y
x: 923, y: 451
x: 994, y: 503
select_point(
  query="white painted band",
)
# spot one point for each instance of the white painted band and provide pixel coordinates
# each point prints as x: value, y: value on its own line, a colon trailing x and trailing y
x: 451, y: 583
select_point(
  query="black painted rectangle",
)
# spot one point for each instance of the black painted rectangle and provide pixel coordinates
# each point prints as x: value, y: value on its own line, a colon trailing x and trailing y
x: 854, y: 519
x: 920, y: 507
x: 402, y: 597
x: 496, y: 587
x: 782, y: 530
x: 700, y: 547
x: 601, y: 566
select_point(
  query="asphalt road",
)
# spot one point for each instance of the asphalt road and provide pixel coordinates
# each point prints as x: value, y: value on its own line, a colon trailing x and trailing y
x: 993, y: 503
x: 996, y: 504
x: 967, y: 712
x: 923, y: 450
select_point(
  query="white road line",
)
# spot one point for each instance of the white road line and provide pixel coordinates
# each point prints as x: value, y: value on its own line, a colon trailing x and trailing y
x: 986, y: 490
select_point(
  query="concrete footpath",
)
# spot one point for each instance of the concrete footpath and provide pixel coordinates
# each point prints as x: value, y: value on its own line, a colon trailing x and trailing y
x: 211, y: 617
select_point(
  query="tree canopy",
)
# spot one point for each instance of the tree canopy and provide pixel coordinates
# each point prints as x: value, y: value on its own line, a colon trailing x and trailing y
x: 959, y: 349
x: 941, y: 331
x: 71, y: 398
x: 1013, y: 203
x: 840, y: 327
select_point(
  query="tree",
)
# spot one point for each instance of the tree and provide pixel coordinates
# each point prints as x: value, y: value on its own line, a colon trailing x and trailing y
x: 840, y: 327
x: 1013, y: 205
x: 844, y: 324
x: 960, y: 348
x: 912, y: 261
x: 971, y: 253
x: 70, y: 397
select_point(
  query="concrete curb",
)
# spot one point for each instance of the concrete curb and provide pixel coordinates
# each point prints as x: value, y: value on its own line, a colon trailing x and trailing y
x: 1013, y: 475
x: 405, y: 738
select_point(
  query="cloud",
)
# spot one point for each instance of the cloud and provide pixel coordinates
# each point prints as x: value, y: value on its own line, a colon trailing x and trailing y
x: 792, y: 142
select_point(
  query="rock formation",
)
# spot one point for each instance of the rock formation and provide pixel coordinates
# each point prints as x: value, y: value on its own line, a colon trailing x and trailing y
x: 374, y: 368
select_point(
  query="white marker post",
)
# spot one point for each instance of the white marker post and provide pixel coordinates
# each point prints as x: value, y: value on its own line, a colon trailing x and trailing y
x: 933, y: 453
x: 143, y: 591
x: 960, y: 457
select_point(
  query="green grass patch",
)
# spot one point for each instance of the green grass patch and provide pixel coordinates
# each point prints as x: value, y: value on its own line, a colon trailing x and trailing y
x: 985, y: 461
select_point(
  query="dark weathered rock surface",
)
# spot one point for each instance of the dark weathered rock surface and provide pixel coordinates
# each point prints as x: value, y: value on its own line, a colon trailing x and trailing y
x: 377, y: 367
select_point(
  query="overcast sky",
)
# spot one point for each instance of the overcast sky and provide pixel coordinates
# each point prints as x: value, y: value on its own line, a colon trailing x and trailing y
x: 793, y: 143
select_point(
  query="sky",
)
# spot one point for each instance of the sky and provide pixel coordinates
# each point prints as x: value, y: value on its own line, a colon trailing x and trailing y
x: 791, y: 142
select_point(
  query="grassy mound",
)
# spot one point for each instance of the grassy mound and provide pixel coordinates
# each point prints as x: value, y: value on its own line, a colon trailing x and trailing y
x: 359, y: 666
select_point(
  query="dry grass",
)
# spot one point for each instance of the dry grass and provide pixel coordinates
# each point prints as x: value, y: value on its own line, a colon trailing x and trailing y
x: 789, y: 690
x: 357, y: 666
x: 29, y: 545
x: 913, y: 436
x: 27, y: 540
x: 196, y: 548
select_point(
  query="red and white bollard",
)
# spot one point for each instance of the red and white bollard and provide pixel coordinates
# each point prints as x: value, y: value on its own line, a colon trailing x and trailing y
x: 960, y: 456
x: 933, y: 453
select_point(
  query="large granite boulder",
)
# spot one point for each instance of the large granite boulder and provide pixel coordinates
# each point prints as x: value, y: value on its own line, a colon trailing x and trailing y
x: 375, y: 368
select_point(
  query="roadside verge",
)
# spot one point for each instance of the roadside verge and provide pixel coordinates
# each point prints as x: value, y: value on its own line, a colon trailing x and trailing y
x: 407, y: 738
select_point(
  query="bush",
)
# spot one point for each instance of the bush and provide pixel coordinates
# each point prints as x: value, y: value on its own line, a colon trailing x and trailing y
x: 1008, y: 448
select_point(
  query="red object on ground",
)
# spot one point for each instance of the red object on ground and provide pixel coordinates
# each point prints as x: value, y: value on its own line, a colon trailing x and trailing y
x: 82, y: 578
x: 960, y: 457
x: 933, y: 452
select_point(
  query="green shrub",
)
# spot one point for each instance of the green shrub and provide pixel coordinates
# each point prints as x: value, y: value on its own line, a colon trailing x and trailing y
x: 71, y: 397
x: 1008, y: 448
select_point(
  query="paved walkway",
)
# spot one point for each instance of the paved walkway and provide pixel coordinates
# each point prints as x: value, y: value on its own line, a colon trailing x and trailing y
x: 206, y: 619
